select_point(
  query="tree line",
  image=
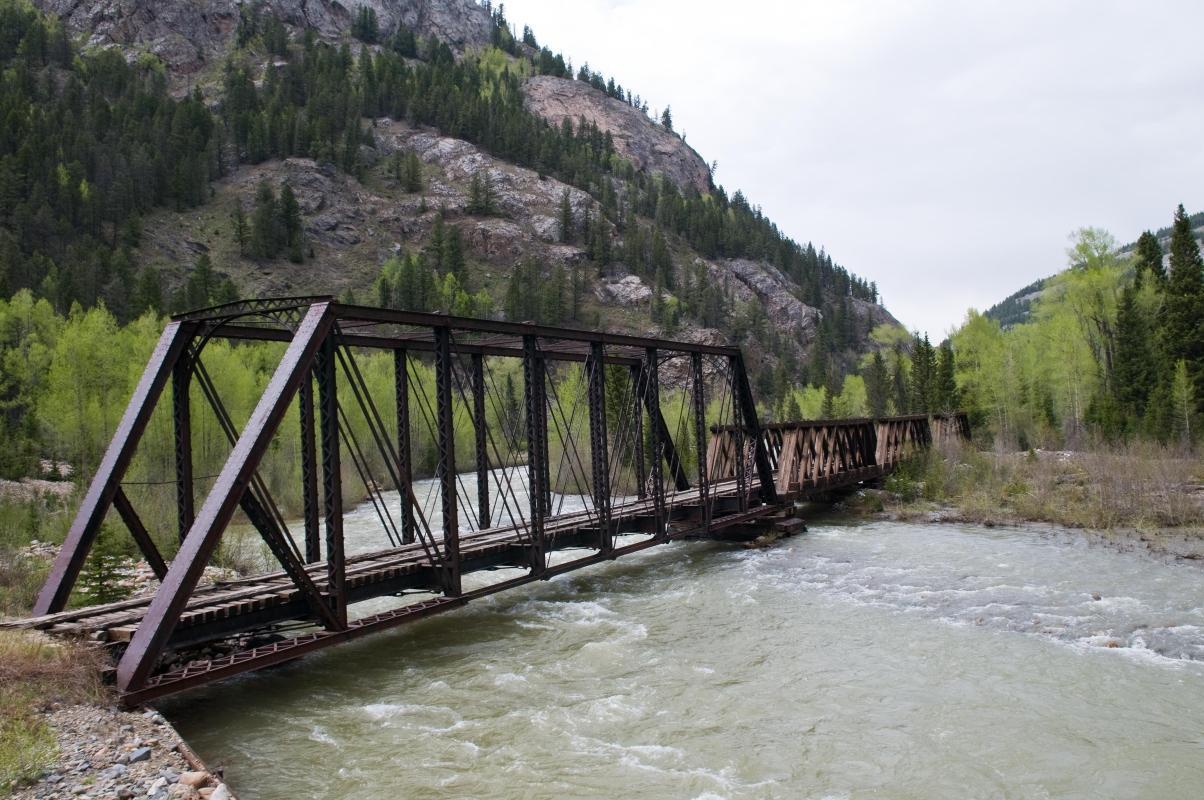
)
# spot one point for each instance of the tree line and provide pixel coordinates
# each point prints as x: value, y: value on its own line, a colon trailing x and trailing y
x: 1112, y: 350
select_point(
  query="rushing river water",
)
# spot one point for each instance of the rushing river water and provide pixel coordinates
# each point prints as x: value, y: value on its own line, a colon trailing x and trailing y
x: 883, y: 660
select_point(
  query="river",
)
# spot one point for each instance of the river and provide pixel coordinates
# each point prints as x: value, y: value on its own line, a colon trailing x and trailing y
x: 859, y: 660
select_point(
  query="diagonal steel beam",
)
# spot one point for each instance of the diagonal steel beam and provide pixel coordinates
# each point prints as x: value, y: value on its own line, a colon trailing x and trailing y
x: 55, y: 593
x: 141, y: 536
x: 156, y: 628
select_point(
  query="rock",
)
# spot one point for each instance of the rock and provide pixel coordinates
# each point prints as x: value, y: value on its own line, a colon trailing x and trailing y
x: 1096, y: 596
x: 141, y: 754
x: 183, y: 792
x: 187, y: 36
x: 158, y: 784
x: 194, y: 779
x: 637, y: 138
x: 220, y: 793
x: 125, y: 793
x: 627, y: 291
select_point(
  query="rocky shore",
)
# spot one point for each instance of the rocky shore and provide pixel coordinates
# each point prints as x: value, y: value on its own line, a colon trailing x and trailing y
x: 109, y: 754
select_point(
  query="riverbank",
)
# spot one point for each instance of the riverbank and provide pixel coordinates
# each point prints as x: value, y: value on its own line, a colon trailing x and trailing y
x: 1140, y: 498
x: 62, y: 735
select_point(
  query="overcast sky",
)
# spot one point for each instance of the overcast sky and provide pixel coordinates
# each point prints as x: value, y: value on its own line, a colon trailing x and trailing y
x: 945, y: 150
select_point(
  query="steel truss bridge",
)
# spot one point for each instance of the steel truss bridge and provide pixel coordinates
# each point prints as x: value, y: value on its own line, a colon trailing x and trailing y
x: 591, y: 427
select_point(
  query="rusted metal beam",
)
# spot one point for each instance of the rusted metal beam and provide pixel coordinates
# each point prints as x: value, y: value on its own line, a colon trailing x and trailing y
x: 445, y: 466
x: 698, y: 387
x: 105, y: 483
x: 537, y: 433
x: 309, y: 473
x: 481, y: 434
x: 401, y: 390
x: 141, y: 536
x: 326, y: 369
x: 181, y: 406
x: 144, y: 650
x: 748, y: 410
x: 599, y: 444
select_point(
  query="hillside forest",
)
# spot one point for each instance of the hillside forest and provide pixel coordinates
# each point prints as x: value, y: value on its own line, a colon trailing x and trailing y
x: 1112, y: 350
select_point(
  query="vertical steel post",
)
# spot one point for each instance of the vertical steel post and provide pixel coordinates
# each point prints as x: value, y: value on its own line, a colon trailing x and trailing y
x: 748, y: 406
x: 536, y: 455
x: 181, y: 414
x: 309, y: 473
x: 481, y: 429
x: 652, y: 401
x: 445, y: 467
x: 738, y: 436
x: 541, y: 368
x: 599, y: 444
x: 700, y: 441
x: 401, y: 388
x: 332, y: 482
x: 637, y: 392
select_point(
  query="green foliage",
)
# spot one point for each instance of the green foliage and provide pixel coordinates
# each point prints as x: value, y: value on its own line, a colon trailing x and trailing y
x: 366, y: 27
x: 1104, y: 354
x: 100, y: 581
x: 89, y: 143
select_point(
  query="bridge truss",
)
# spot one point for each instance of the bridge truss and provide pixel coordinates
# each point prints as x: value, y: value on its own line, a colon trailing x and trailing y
x: 648, y: 441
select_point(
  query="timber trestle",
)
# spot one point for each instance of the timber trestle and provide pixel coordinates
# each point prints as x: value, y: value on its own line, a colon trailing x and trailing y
x: 499, y: 454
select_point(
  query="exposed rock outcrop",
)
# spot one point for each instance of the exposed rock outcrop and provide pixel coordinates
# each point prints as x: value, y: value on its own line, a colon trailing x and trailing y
x: 647, y: 145
x: 187, y: 36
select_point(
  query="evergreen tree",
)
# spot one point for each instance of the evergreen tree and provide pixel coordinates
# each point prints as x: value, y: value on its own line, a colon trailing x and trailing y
x: 265, y: 224
x: 1149, y: 259
x: 923, y: 376
x: 413, y: 173
x: 453, y: 252
x: 366, y: 27
x: 566, y: 217
x: 900, y: 398
x: 1133, y: 368
x: 1183, y: 307
x: 293, y: 233
x: 877, y: 385
x: 945, y: 392
x: 667, y: 118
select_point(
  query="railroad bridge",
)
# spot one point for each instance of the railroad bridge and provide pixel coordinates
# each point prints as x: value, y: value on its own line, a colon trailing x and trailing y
x: 618, y: 444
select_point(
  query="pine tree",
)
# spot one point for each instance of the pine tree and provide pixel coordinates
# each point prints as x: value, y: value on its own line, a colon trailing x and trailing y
x: 566, y: 217
x: 453, y: 252
x: 899, y: 395
x: 413, y: 173
x: 1183, y: 307
x: 877, y: 385
x: 293, y: 234
x: 265, y: 224
x: 946, y: 382
x: 1133, y: 368
x: 667, y: 118
x: 366, y: 27
x: 241, y: 233
x: 1149, y: 259
x: 923, y: 376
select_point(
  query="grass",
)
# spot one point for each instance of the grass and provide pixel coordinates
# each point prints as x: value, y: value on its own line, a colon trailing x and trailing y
x: 36, y: 672
x: 1138, y: 486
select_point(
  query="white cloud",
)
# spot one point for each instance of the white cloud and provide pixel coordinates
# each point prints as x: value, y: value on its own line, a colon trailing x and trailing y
x: 942, y: 149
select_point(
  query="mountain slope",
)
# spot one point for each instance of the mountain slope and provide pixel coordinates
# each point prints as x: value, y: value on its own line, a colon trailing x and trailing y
x: 436, y: 138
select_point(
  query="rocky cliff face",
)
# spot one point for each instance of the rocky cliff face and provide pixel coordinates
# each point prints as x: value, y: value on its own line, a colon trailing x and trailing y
x: 637, y: 138
x: 187, y: 36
